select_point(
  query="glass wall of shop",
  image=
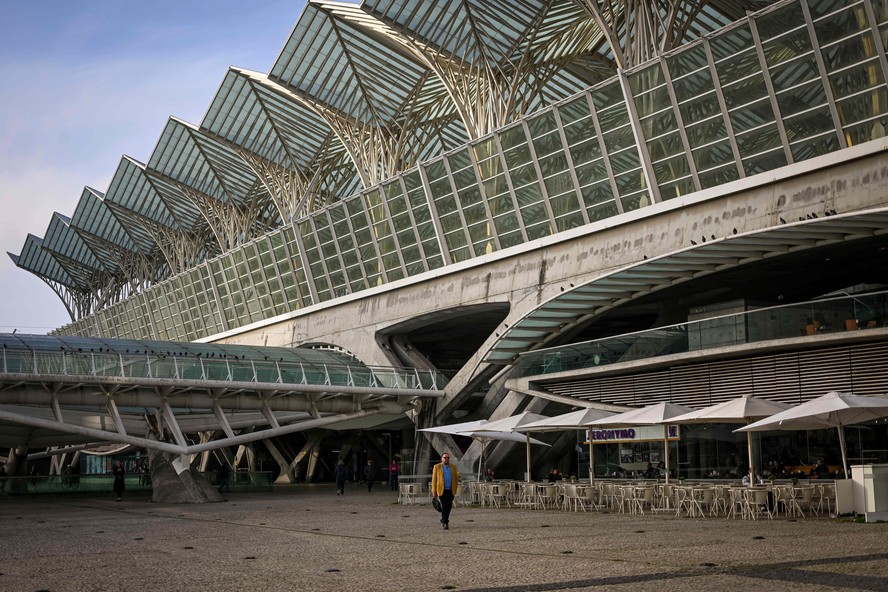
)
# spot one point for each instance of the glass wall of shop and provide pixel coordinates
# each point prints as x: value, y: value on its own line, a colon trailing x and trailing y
x: 715, y: 451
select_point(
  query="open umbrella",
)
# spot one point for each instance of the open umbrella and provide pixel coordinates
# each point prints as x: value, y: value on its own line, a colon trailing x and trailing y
x: 511, y: 424
x: 832, y: 410
x: 740, y: 410
x: 470, y: 429
x: 659, y: 413
x: 575, y: 420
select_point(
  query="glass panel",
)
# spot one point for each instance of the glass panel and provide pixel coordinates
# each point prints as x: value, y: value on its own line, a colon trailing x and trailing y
x: 514, y: 136
x: 706, y: 132
x: 849, y: 52
x: 810, y: 123
x: 677, y: 188
x: 552, y: 164
x: 631, y: 182
x: 815, y: 147
x: 842, y: 24
x: 764, y: 162
x: 719, y: 176
x: 459, y: 159
x: 646, y: 78
x: 625, y: 161
x: 653, y: 102
x: 603, y: 211
x: 866, y: 131
x: 688, y: 60
x: 671, y: 169
x: 485, y: 148
x: 574, y: 110
x: 619, y: 139
x: 854, y: 80
x: 665, y: 146
x: 801, y: 99
x: 588, y: 173
x: 634, y: 202
x: 691, y: 87
x: 776, y: 22
x: 585, y: 151
x: 597, y: 193
x: 752, y: 116
x: 729, y: 44
x: 759, y: 140
x: 713, y: 155
x: 542, y: 124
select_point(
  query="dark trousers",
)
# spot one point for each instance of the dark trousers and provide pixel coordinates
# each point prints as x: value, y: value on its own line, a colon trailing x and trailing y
x: 446, y: 505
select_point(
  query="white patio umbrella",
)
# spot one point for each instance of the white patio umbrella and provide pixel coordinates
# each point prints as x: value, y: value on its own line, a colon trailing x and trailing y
x: 511, y: 425
x: 659, y: 413
x: 575, y: 420
x: 832, y: 410
x: 740, y: 410
x: 470, y: 430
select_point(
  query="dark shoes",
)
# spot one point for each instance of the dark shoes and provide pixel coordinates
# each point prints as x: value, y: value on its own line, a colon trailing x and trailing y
x: 445, y: 525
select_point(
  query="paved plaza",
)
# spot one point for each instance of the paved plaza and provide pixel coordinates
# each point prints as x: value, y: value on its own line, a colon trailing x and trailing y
x: 307, y: 538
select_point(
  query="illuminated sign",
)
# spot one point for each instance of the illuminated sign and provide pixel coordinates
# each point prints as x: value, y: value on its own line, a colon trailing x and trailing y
x: 632, y: 434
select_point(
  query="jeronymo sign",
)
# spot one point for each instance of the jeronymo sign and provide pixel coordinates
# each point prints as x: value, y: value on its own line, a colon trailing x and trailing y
x: 633, y: 434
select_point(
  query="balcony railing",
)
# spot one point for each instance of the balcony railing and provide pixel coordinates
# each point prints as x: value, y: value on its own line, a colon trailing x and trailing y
x: 822, y: 316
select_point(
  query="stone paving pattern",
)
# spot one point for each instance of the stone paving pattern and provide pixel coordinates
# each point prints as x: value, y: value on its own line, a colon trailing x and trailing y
x: 306, y: 537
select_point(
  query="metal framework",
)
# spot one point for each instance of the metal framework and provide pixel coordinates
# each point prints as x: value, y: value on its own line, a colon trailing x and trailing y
x: 797, y: 80
x: 360, y: 94
x: 62, y: 391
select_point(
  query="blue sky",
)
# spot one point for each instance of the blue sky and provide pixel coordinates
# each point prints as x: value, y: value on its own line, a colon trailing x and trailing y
x: 83, y: 82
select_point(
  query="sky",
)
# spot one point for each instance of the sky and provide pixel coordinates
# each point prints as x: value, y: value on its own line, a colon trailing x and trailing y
x: 83, y: 82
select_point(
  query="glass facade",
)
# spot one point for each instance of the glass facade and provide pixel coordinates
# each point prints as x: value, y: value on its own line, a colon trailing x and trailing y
x: 800, y: 79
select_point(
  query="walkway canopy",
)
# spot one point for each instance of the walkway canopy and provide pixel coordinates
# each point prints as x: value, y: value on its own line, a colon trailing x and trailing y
x: 73, y: 390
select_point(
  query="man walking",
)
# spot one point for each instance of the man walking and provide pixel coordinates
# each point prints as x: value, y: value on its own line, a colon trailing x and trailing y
x: 370, y: 474
x: 445, y: 478
x: 224, y: 477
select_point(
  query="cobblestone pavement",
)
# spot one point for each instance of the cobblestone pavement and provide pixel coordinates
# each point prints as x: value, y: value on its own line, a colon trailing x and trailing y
x: 308, y: 538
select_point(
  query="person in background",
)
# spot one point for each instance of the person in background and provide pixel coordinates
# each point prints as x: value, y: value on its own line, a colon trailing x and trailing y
x: 394, y: 469
x: 341, y: 475
x: 752, y: 478
x: 650, y: 472
x: 819, y: 470
x: 445, y: 478
x: 224, y: 477
x: 554, y: 475
x: 119, y: 480
x: 370, y: 474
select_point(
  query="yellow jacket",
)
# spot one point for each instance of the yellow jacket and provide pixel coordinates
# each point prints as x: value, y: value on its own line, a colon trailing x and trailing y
x: 438, y: 478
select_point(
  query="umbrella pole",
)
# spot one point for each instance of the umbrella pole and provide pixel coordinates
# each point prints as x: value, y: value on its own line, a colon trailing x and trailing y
x: 527, y: 475
x: 666, y: 448
x: 481, y: 459
x: 591, y: 461
x: 749, y: 446
x: 844, y: 450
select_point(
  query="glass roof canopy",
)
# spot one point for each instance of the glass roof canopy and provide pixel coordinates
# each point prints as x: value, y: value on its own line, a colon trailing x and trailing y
x: 141, y: 359
x: 313, y: 124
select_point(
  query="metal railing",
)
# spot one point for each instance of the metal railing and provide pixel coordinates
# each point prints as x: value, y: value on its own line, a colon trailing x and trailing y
x: 191, y: 367
x: 816, y: 317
